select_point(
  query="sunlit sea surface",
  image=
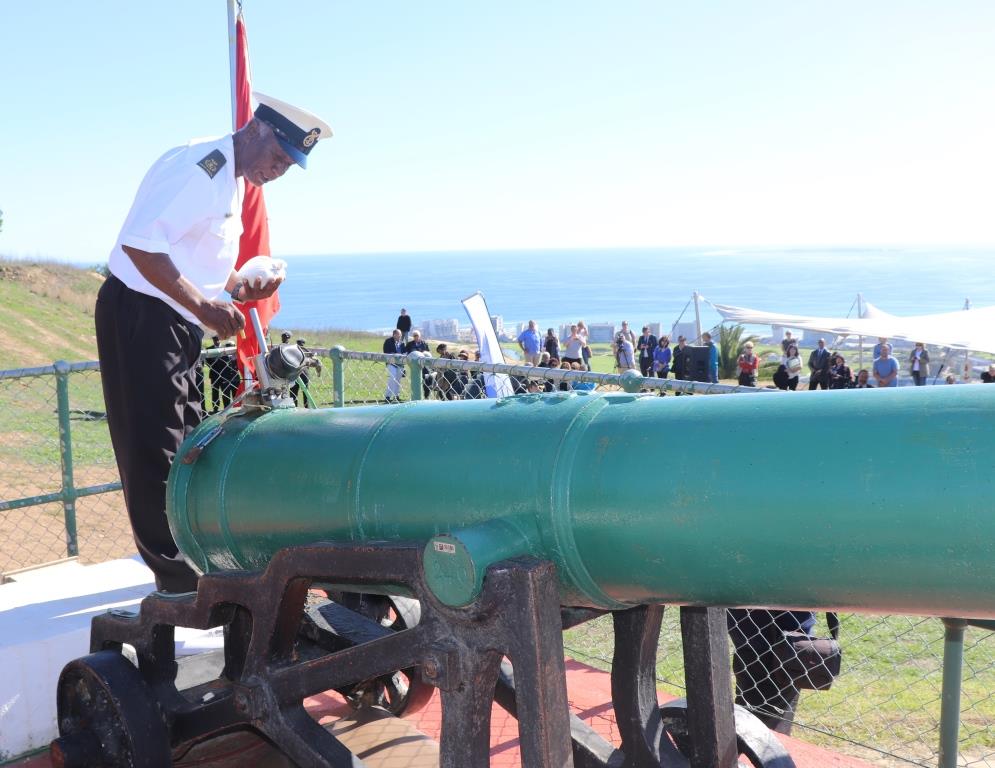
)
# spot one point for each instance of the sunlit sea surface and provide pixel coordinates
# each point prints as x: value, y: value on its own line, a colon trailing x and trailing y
x: 365, y: 292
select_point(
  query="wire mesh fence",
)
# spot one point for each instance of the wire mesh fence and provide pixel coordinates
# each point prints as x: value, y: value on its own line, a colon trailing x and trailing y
x: 53, y: 455
x: 369, y: 378
x: 884, y: 707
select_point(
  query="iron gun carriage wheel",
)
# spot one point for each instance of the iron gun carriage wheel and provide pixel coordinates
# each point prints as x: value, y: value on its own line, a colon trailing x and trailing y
x: 108, y: 716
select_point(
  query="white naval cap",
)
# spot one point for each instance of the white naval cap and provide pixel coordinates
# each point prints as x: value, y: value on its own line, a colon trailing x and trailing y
x: 296, y: 129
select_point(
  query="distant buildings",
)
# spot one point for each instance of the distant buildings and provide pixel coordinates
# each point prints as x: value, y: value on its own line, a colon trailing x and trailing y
x: 441, y: 329
x: 601, y: 332
x: 687, y: 330
x: 597, y: 332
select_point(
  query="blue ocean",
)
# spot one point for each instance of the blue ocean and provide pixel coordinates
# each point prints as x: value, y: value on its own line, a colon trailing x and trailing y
x: 366, y: 291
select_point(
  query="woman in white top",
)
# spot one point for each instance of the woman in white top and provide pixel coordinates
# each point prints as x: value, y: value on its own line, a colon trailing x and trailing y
x: 585, y: 351
x: 792, y: 363
x: 573, y: 346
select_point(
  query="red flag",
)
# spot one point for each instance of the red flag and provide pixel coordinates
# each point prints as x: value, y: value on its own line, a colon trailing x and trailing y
x: 255, y: 225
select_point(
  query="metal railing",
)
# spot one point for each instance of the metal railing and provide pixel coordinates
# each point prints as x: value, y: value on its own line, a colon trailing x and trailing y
x: 30, y: 452
x: 914, y: 691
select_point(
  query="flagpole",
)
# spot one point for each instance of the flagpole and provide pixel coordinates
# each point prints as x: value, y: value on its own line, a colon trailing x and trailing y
x: 232, y: 52
x: 246, y: 371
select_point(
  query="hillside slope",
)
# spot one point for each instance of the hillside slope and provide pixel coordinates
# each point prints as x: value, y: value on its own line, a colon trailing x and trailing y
x: 46, y: 313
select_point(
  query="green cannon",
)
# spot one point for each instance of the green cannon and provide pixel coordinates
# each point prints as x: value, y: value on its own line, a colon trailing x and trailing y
x: 392, y: 552
x: 857, y: 500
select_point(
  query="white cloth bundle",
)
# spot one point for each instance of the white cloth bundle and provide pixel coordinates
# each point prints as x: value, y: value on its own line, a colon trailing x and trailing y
x: 264, y: 269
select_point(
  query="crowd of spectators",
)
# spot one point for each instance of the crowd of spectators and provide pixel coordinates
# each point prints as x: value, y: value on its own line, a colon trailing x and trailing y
x: 652, y: 357
x: 828, y: 370
x: 655, y: 358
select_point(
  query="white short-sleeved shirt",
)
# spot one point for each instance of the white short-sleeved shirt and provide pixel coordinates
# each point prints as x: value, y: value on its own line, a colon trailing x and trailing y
x: 189, y: 206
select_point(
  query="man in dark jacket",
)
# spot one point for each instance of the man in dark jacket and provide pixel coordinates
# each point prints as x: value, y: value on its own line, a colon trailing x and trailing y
x: 551, y: 344
x: 646, y: 345
x: 394, y: 346
x: 818, y: 365
x: 404, y: 324
x: 417, y: 345
x: 679, y: 366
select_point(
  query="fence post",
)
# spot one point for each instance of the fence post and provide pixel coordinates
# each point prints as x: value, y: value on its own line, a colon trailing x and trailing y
x: 415, y: 374
x: 953, y: 663
x: 338, y: 376
x: 66, y: 455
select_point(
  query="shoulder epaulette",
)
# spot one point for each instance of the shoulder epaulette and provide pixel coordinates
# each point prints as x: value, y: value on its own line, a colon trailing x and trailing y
x: 213, y: 163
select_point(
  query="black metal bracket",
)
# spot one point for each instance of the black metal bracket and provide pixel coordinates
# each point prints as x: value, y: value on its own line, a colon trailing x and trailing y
x: 703, y: 731
x: 506, y: 646
x: 270, y: 669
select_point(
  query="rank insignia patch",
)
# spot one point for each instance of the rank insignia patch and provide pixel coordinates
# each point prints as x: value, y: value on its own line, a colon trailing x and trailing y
x: 213, y: 163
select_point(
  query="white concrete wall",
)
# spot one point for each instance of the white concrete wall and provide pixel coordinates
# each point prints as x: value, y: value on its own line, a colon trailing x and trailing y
x: 45, y: 623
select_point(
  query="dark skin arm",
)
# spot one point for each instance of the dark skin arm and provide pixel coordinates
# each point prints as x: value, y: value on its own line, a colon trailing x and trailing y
x: 222, y: 317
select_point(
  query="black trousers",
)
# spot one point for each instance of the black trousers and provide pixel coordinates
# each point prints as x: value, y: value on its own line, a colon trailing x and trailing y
x: 148, y: 359
x: 819, y: 379
x: 646, y: 366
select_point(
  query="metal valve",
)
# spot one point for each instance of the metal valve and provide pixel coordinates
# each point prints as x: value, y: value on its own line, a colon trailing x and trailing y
x: 277, y: 368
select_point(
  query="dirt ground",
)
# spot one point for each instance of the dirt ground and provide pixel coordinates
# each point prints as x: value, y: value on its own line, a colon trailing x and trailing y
x: 36, y: 535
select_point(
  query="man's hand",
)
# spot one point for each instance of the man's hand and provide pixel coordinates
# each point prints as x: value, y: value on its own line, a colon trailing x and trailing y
x: 253, y: 291
x: 221, y: 317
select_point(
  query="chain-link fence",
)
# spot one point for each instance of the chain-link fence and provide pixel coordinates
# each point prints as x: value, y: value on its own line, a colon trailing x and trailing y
x: 362, y: 378
x: 59, y: 484
x: 885, y: 705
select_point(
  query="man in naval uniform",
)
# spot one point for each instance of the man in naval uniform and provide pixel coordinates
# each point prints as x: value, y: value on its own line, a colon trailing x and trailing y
x: 173, y: 261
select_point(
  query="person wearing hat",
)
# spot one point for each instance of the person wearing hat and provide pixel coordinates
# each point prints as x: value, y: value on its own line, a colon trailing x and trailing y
x: 170, y: 268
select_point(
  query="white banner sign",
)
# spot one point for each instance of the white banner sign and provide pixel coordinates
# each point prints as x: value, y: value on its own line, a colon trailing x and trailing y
x: 496, y: 384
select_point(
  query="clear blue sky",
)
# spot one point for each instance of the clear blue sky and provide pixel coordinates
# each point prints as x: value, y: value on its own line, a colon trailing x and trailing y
x: 521, y: 124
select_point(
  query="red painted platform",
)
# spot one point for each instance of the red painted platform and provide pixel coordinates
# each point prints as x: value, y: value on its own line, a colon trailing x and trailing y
x: 589, y: 692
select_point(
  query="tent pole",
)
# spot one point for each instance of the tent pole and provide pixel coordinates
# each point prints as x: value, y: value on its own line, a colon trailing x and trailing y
x: 232, y: 52
x: 860, y: 314
x: 967, y: 352
x: 697, y: 318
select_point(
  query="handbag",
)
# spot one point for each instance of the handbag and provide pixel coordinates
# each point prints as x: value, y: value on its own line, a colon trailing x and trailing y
x: 812, y: 662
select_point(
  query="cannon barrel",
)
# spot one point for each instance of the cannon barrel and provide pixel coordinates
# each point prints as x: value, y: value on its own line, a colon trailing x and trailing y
x: 857, y: 500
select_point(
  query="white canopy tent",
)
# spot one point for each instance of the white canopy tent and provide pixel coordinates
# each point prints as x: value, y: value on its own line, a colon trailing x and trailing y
x: 970, y: 329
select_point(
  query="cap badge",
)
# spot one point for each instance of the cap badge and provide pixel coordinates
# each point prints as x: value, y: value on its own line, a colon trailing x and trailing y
x: 311, y: 138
